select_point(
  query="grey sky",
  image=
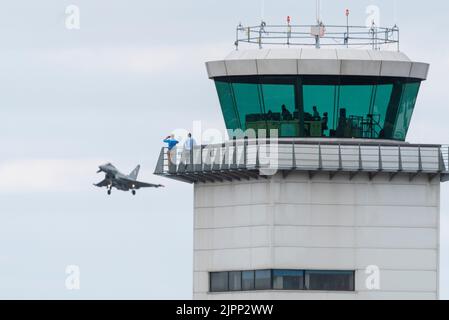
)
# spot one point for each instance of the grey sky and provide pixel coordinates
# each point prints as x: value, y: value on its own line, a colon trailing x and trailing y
x: 73, y: 99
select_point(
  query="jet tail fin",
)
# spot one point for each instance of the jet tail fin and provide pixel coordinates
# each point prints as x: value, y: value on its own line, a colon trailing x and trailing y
x: 133, y: 175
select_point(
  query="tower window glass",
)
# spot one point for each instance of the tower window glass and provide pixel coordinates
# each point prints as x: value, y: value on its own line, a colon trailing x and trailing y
x: 281, y: 113
x: 405, y: 111
x: 248, y: 102
x: 319, y: 106
x: 235, y: 280
x: 247, y: 280
x: 279, y: 279
x: 227, y: 105
x: 219, y: 281
x: 288, y: 279
x: 330, y: 280
x: 263, y: 279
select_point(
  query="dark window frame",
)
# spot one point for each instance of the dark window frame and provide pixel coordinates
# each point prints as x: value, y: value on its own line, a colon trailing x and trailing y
x: 272, y: 271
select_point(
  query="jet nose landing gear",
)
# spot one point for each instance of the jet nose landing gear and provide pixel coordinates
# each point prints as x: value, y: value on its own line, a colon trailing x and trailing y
x: 133, y: 192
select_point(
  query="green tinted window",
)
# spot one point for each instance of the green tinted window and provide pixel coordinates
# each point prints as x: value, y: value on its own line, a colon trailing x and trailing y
x: 405, y: 111
x: 381, y: 102
x: 247, y: 97
x: 226, y: 98
x: 319, y: 109
x: 279, y: 105
x: 354, y: 106
x: 319, y: 106
x: 345, y: 110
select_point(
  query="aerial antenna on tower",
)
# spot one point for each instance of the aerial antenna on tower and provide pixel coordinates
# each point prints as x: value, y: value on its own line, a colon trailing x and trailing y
x: 347, y: 28
x: 262, y: 10
x: 318, y: 30
x: 395, y: 12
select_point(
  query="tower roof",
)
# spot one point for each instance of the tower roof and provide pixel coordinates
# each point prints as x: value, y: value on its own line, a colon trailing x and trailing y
x: 307, y: 61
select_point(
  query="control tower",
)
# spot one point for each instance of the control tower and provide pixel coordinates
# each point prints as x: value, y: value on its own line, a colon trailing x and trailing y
x: 316, y: 194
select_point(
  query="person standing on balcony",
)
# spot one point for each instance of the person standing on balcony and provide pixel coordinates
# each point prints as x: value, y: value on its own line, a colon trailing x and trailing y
x: 187, y: 153
x: 171, y: 146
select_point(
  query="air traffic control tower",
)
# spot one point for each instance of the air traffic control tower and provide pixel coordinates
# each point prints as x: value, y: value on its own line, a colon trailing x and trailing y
x: 316, y: 194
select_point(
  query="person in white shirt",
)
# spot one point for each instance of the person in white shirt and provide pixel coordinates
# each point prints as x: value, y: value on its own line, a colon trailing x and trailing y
x: 189, y: 145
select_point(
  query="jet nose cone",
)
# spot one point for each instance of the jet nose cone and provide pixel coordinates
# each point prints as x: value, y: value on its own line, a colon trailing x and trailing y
x: 105, y: 168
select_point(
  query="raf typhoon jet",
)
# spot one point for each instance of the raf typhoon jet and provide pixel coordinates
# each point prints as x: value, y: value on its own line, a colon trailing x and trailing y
x: 120, y: 181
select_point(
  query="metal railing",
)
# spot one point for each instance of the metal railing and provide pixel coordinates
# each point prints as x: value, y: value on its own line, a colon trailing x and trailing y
x: 320, y: 35
x: 445, y: 156
x: 257, y: 155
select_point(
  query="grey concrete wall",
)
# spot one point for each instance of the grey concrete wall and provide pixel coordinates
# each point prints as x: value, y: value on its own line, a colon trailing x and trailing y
x: 298, y: 223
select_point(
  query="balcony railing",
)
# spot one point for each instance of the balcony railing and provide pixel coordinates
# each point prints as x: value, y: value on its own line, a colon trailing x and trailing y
x: 245, y: 158
x: 321, y: 35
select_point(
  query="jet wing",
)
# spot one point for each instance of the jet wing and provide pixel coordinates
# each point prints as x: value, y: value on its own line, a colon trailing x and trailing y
x: 133, y: 184
x: 104, y: 183
x: 138, y: 185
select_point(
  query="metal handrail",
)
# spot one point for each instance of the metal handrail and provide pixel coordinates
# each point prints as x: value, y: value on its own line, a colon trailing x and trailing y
x: 298, y: 155
x: 318, y: 35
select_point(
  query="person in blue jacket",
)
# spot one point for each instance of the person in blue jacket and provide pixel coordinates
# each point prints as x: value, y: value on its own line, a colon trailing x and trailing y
x: 171, y: 144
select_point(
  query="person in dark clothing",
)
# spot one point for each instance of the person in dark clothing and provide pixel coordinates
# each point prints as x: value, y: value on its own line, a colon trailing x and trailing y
x: 342, y: 123
x: 324, y: 121
x: 316, y: 114
x: 286, y: 115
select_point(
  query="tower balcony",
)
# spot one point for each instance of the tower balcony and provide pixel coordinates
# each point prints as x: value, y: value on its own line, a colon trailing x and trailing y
x: 248, y: 159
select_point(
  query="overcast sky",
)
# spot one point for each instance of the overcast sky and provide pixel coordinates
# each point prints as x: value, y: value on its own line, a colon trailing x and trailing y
x: 110, y: 91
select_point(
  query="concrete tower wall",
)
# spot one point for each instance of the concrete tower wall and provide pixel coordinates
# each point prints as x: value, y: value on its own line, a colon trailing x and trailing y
x: 321, y: 224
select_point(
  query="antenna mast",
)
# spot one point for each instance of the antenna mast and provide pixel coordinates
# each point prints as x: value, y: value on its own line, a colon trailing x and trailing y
x: 318, y: 12
x: 318, y: 30
x: 395, y: 11
x: 262, y: 10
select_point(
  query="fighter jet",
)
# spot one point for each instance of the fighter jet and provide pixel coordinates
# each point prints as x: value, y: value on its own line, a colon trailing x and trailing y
x: 120, y: 181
